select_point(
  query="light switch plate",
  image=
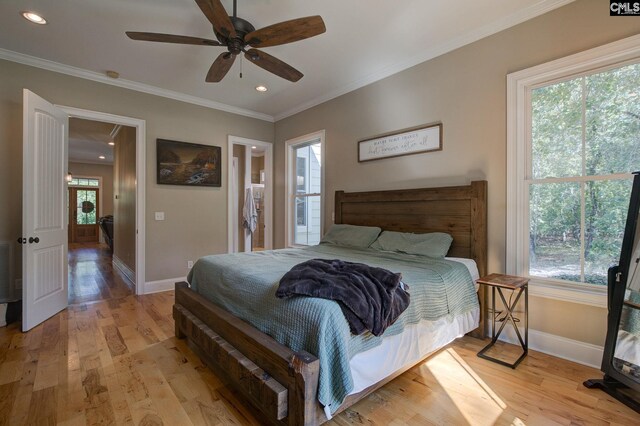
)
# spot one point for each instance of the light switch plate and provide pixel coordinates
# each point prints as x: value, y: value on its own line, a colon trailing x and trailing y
x: 159, y: 215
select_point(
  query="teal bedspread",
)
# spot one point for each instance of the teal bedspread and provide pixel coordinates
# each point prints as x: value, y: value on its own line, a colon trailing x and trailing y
x: 245, y: 285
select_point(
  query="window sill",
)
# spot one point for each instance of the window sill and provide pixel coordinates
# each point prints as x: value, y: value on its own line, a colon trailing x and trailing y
x: 586, y: 296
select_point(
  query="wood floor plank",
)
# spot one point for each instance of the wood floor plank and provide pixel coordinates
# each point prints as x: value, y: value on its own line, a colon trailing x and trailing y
x: 7, y: 396
x: 116, y: 361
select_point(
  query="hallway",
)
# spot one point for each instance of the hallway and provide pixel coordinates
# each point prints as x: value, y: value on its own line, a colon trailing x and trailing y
x: 92, y: 276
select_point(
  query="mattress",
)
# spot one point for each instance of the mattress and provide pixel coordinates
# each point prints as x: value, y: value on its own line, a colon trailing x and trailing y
x: 414, y: 343
x: 439, y: 289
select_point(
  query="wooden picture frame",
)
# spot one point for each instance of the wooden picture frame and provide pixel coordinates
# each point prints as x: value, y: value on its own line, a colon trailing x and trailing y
x: 189, y: 164
x: 416, y: 140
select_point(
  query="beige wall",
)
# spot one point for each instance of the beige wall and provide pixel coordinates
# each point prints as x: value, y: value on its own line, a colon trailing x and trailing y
x: 124, y: 218
x: 104, y: 171
x: 466, y: 91
x: 195, y: 218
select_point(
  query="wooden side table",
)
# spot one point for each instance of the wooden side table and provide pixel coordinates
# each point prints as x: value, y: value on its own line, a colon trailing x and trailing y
x: 509, y: 282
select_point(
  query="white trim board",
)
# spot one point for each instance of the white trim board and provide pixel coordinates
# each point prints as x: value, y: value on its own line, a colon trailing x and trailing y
x: 268, y: 188
x: 558, y: 346
x: 519, y: 17
x: 161, y: 285
x: 431, y: 52
x: 141, y: 173
x: 45, y: 64
x: 289, y: 162
x: 519, y: 87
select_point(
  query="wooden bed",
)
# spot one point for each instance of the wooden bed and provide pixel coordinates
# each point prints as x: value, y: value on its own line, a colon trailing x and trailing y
x: 283, y: 384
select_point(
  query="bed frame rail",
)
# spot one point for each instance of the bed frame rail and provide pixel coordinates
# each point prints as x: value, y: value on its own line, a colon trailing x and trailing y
x: 279, y: 382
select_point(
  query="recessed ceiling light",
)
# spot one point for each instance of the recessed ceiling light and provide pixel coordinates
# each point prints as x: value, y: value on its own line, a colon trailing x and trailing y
x: 261, y: 88
x: 34, y: 17
x: 102, y: 157
x: 112, y: 143
x: 253, y: 147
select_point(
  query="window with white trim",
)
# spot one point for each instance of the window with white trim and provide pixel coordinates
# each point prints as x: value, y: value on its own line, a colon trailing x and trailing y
x: 574, y: 139
x: 304, y: 183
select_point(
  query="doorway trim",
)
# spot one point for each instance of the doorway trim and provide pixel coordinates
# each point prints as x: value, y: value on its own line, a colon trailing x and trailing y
x: 268, y: 188
x: 140, y: 126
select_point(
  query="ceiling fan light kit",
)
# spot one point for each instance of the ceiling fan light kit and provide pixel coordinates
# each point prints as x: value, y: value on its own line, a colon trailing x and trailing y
x: 240, y: 36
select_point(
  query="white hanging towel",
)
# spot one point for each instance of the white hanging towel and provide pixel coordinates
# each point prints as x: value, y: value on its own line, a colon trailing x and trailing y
x: 249, y: 212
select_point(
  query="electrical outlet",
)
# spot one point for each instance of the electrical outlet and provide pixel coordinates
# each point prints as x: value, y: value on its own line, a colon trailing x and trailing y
x: 159, y: 215
x: 189, y: 264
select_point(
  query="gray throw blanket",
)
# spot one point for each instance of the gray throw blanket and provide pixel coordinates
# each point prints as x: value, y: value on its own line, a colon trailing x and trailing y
x: 370, y: 298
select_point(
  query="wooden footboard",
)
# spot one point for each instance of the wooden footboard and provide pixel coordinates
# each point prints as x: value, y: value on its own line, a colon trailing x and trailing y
x: 281, y: 383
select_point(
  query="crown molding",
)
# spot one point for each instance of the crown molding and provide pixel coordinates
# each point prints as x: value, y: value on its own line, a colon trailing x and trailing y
x: 514, y: 19
x: 33, y: 61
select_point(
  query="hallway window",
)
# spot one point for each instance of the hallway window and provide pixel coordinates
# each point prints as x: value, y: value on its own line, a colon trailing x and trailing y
x: 84, y: 182
x: 305, y: 182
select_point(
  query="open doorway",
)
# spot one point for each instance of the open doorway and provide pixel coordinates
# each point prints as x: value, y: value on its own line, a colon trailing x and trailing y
x: 250, y: 195
x: 101, y: 210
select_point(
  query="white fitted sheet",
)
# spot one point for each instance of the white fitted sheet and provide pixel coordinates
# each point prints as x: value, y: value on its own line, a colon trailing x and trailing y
x: 413, y: 344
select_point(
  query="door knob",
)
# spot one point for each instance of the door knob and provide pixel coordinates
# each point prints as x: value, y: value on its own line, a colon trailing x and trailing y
x: 34, y: 240
x: 22, y: 240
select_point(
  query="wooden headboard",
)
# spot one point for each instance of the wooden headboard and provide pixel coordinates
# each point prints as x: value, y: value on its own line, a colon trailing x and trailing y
x: 460, y: 211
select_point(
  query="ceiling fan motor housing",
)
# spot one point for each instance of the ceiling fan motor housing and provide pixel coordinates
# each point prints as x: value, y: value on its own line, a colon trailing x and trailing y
x: 236, y: 44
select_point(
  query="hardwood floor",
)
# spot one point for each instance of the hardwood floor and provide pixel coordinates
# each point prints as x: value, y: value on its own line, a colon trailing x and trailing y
x: 116, y: 362
x: 91, y: 274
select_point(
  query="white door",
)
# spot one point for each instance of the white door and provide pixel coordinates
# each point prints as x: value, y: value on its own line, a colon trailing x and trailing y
x: 44, y: 215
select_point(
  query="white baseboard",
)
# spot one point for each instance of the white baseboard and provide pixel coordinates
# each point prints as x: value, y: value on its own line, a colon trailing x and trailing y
x: 558, y: 346
x: 161, y: 285
x: 126, y: 271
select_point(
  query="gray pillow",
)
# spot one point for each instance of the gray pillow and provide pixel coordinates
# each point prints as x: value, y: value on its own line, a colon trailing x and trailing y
x: 351, y: 235
x: 435, y: 244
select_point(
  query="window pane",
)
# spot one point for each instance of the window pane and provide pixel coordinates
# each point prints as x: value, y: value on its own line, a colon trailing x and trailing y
x: 606, y: 205
x: 301, y: 175
x: 86, y: 207
x: 554, y: 232
x: 556, y: 130
x: 306, y: 228
x: 308, y: 163
x: 613, y: 121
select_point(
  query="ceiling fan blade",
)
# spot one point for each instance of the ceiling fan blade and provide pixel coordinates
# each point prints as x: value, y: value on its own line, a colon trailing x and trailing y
x: 220, y: 67
x: 273, y: 65
x: 217, y: 15
x: 171, y: 38
x: 286, y: 32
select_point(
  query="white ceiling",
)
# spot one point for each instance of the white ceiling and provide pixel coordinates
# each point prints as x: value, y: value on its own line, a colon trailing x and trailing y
x: 88, y: 140
x: 366, y: 40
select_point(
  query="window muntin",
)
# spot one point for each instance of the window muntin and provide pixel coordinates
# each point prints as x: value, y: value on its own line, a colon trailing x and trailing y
x: 84, y: 182
x: 584, y: 143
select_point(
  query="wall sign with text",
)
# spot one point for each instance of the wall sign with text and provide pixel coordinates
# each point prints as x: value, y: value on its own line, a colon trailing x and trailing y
x: 405, y: 142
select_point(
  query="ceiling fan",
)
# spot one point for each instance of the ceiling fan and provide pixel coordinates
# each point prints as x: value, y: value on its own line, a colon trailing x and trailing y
x: 237, y: 34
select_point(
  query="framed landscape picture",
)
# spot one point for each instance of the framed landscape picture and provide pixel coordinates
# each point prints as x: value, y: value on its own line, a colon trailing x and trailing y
x: 190, y: 164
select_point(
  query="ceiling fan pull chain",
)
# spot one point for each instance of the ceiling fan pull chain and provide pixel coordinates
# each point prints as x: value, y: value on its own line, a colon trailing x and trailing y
x: 240, y: 66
